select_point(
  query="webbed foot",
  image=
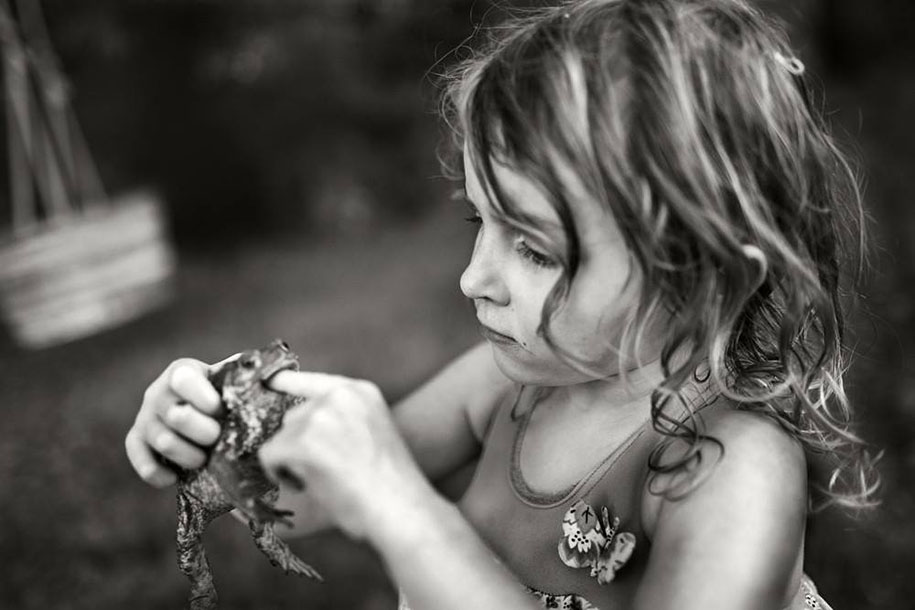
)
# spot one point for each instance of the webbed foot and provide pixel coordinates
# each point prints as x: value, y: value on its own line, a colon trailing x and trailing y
x: 262, y: 512
x: 279, y: 553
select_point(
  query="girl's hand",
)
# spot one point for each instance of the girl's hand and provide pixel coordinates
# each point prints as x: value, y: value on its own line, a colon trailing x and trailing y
x: 175, y: 422
x: 343, y: 445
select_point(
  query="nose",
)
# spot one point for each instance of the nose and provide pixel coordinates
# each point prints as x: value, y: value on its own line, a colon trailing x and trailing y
x: 483, y: 279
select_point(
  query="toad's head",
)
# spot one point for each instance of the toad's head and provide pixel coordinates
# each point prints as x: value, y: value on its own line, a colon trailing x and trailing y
x: 243, y: 378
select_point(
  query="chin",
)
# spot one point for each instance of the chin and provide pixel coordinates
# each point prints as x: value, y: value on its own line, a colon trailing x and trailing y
x: 513, y: 367
x: 526, y: 369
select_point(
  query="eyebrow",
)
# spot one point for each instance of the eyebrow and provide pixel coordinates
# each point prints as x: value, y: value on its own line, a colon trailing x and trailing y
x: 547, y: 226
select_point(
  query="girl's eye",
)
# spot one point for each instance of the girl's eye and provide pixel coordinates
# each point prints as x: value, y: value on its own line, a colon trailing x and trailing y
x: 537, y: 258
x: 473, y: 216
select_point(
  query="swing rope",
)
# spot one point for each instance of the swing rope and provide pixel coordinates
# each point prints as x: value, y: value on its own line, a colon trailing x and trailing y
x: 46, y: 149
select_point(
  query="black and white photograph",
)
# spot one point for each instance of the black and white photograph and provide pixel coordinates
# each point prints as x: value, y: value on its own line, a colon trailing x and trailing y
x: 457, y: 304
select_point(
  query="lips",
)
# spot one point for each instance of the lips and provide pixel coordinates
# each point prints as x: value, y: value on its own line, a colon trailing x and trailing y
x: 494, y: 335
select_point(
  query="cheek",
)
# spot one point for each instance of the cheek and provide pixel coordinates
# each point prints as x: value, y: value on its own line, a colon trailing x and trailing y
x: 529, y: 292
x: 596, y: 310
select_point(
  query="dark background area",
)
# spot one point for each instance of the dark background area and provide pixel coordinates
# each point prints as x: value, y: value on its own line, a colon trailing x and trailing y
x: 294, y: 144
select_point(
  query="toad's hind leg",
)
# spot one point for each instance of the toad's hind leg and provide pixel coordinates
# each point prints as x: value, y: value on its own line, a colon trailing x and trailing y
x: 192, y: 559
x: 278, y: 552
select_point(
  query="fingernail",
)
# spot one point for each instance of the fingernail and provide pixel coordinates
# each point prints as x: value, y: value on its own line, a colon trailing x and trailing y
x: 288, y: 478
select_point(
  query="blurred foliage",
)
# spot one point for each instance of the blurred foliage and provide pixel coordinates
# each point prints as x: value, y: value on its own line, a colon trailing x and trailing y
x: 264, y: 119
x: 256, y: 117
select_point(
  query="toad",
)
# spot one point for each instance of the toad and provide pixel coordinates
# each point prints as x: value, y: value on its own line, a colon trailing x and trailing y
x: 232, y: 478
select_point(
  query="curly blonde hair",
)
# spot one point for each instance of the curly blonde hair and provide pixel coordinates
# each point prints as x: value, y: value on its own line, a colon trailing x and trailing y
x: 691, y: 121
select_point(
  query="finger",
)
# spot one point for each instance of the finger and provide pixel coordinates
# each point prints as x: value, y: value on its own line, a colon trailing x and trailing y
x: 191, y: 384
x: 144, y: 462
x: 170, y: 445
x: 192, y: 424
x: 296, y: 418
x: 279, y: 467
x: 305, y: 384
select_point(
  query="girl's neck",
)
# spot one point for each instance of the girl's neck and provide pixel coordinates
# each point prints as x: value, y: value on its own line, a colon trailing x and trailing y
x: 627, y: 394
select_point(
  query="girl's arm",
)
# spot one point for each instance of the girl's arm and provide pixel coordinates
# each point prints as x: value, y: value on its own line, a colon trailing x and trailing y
x: 735, y: 540
x: 442, y: 423
x: 344, y: 446
x: 439, y: 561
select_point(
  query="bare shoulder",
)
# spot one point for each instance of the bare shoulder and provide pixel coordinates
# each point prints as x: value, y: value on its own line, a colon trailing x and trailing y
x: 748, y: 458
x: 758, y: 455
x: 756, y: 451
x: 741, y: 508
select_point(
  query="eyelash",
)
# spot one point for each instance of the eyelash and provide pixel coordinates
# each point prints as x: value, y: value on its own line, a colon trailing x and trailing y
x: 537, y: 258
x: 521, y: 247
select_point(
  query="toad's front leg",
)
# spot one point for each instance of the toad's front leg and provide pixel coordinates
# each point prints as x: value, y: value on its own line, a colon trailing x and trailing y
x: 243, y: 483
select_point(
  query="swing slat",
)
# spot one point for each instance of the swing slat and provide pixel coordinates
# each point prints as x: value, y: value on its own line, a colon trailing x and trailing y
x: 80, y: 267
x: 98, y: 270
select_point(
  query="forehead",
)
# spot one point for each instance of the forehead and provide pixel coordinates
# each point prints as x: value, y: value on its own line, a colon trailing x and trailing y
x: 594, y: 220
x: 521, y: 193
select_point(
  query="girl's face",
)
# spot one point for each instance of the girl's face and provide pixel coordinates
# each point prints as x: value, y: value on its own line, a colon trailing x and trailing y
x: 511, y: 273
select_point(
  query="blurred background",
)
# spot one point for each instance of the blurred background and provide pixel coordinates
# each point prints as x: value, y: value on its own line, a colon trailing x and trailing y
x: 289, y: 148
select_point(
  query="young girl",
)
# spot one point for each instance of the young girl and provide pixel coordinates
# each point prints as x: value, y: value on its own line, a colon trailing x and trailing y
x: 662, y: 230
